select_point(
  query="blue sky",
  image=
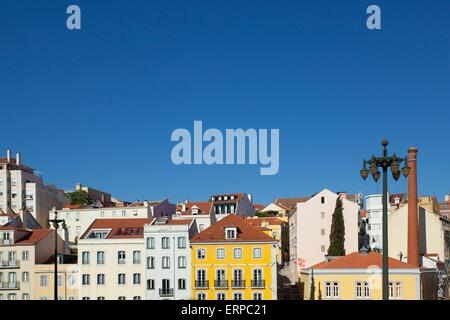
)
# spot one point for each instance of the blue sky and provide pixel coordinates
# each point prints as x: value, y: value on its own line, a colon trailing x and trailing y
x: 98, y: 106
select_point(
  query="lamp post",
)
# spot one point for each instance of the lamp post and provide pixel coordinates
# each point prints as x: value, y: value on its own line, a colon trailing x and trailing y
x: 56, y: 223
x: 385, y: 162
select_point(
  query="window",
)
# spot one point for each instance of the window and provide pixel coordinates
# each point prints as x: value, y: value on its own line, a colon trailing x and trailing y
x: 71, y: 280
x: 136, y: 278
x: 322, y: 215
x: 322, y: 232
x: 322, y: 248
x: 122, y: 298
x: 25, y: 255
x: 165, y: 262
x: 85, y: 279
x: 136, y: 298
x: 220, y: 253
x: 25, y: 277
x: 100, y: 257
x: 60, y: 281
x: 85, y: 298
x: 201, y: 226
x: 201, y: 254
x: 151, y: 243
x: 121, y: 257
x: 230, y: 233
x: 12, y: 296
x: 85, y: 257
x: 237, y: 296
x: 362, y: 290
x: 150, y: 262
x: 181, y: 242
x: 150, y: 284
x: 395, y: 290
x: 257, y: 296
x: 181, y: 284
x: 121, y: 278
x: 237, y: 253
x: 25, y: 296
x: 322, y: 200
x: 221, y: 296
x: 100, y: 298
x: 331, y: 289
x: 257, y: 253
x: 43, y: 281
x: 201, y: 296
x: 100, y: 279
x: 136, y: 257
x: 165, y: 243
x: 78, y: 230
x: 182, y: 262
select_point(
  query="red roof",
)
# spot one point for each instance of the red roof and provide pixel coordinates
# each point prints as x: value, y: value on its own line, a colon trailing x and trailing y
x: 245, y: 232
x: 120, y: 228
x: 31, y: 237
x: 259, y: 221
x: 290, y: 203
x: 203, y: 207
x: 358, y: 260
x: 259, y: 206
x: 179, y: 221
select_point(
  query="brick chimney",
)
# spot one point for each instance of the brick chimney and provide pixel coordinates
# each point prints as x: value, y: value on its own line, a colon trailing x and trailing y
x: 413, y: 221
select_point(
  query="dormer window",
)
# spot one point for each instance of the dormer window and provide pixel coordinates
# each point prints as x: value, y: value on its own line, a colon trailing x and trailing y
x: 232, y: 197
x: 231, y: 233
x: 98, y: 234
x: 194, y: 210
x: 225, y: 198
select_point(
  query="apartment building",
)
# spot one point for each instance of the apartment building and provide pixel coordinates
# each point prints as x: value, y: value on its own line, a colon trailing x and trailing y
x: 22, y: 187
x: 310, y: 227
x: 237, y: 203
x: 233, y: 260
x: 200, y: 211
x: 68, y: 278
x: 444, y: 207
x: 20, y: 251
x: 78, y: 218
x: 111, y: 260
x: 168, y: 259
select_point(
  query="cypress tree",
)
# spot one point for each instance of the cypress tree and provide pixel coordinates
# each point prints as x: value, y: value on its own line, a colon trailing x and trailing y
x: 312, y: 293
x: 337, y: 234
x: 320, y: 293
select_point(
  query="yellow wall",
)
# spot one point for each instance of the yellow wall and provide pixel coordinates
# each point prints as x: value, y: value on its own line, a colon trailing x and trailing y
x: 247, y: 263
x: 347, y: 285
x: 67, y: 290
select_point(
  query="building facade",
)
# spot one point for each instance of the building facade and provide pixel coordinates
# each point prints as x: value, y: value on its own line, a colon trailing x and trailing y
x: 168, y: 259
x: 233, y: 260
x: 111, y: 260
x: 239, y: 204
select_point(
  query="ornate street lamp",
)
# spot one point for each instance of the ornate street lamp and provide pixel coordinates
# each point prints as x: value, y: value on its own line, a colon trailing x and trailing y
x: 385, y: 162
x: 55, y: 221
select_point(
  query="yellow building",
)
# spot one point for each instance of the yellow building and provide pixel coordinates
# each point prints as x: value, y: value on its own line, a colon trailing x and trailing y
x: 358, y: 276
x: 276, y: 228
x: 68, y: 279
x: 233, y: 260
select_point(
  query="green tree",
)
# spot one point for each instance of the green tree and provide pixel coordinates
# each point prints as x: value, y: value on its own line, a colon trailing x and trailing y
x: 337, y: 234
x: 312, y: 294
x: 266, y: 214
x: 78, y: 197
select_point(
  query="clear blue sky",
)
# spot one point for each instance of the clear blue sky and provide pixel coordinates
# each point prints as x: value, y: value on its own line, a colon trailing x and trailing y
x: 98, y: 106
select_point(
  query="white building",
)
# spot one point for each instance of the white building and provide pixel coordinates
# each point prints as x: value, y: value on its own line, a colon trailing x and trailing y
x: 78, y: 218
x: 168, y: 259
x: 239, y: 204
x: 200, y: 211
x: 111, y: 260
x: 22, y: 187
x: 310, y: 227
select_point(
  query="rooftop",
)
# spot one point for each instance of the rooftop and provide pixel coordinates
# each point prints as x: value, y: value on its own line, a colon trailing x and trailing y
x: 119, y: 228
x: 245, y: 232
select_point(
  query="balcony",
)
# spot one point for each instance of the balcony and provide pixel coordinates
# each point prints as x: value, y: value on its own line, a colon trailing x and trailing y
x: 221, y: 284
x: 4, y: 242
x: 5, y: 264
x: 9, y: 285
x: 238, y: 283
x: 201, y: 284
x: 258, y: 284
x: 166, y: 292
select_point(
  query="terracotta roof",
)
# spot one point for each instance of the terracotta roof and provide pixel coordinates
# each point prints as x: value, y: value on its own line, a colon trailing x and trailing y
x: 204, y: 208
x: 120, y: 228
x: 257, y: 222
x: 31, y: 237
x: 258, y: 206
x: 73, y: 206
x: 246, y: 232
x: 290, y: 203
x: 180, y: 221
x: 357, y: 260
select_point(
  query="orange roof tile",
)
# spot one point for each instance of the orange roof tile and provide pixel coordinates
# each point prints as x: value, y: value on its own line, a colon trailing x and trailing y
x: 246, y: 232
x: 358, y: 260
x: 204, y: 208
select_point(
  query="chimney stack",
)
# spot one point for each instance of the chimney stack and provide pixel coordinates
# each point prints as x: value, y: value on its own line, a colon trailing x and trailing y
x: 8, y: 155
x: 413, y: 221
x: 18, y: 158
